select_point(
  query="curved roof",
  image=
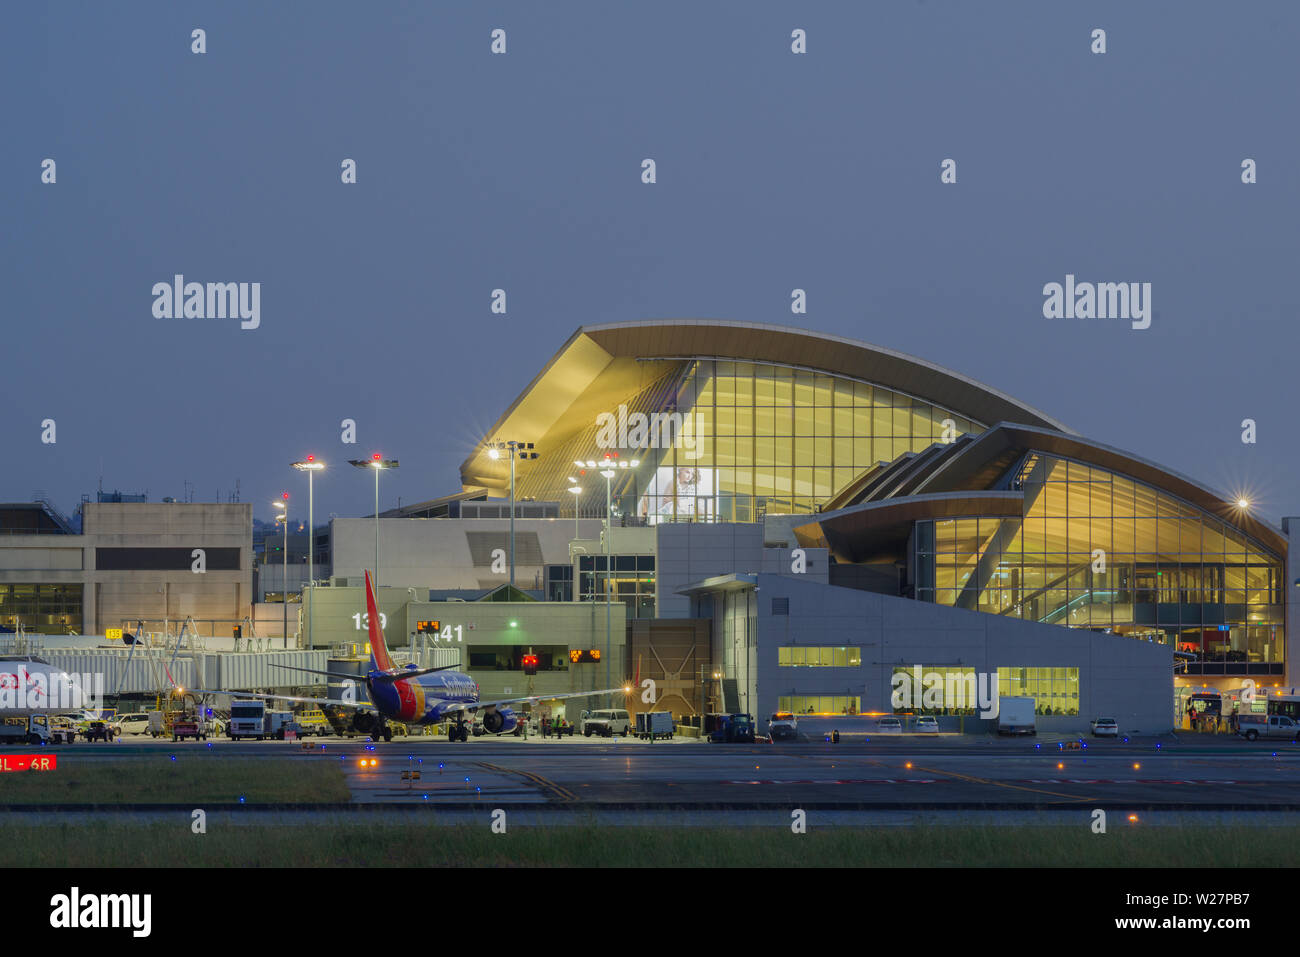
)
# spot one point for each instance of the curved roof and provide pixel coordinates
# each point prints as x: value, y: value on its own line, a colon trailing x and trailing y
x: 973, y: 463
x: 585, y: 359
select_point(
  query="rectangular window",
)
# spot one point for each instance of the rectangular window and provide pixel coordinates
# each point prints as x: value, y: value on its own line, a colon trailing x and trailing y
x: 164, y: 559
x: 813, y: 656
x: 820, y: 704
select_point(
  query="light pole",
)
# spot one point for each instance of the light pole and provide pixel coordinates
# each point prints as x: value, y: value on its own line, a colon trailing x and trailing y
x: 576, y: 490
x: 608, y: 470
x: 377, y: 463
x: 283, y: 516
x: 311, y: 467
x: 523, y: 450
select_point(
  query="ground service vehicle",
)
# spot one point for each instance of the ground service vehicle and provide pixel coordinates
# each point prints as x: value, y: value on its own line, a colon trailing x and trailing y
x: 1252, y: 726
x: 606, y: 723
x: 187, y: 726
x: 247, y: 719
x: 1284, y: 704
x: 1016, y: 716
x: 313, y: 722
x: 100, y: 731
x: 278, y: 723
x: 783, y: 726
x: 33, y: 729
x: 735, y: 729
x: 62, y: 730
x: 1105, y: 727
x: 654, y: 724
x: 137, y: 723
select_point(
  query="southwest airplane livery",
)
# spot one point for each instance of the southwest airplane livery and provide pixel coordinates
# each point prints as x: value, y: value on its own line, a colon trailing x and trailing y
x: 423, y: 696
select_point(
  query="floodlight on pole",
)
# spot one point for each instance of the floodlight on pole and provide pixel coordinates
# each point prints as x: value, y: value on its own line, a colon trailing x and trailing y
x: 608, y: 473
x: 515, y: 449
x: 376, y: 463
x: 283, y: 516
x: 311, y: 466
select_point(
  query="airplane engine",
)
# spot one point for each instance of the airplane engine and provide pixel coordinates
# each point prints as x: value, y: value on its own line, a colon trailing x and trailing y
x: 500, y: 721
x: 364, y: 721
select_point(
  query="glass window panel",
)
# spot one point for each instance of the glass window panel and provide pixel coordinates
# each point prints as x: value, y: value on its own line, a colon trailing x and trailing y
x: 803, y: 388
x: 843, y: 450
x: 862, y: 394
x: 862, y: 453
x: 1144, y: 501
x: 1121, y: 496
x: 843, y: 392
x: 844, y: 423
x: 921, y: 422
x: 1101, y: 498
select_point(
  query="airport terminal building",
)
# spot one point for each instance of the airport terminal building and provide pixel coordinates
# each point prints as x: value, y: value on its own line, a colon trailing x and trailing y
x: 839, y: 513
x: 795, y: 522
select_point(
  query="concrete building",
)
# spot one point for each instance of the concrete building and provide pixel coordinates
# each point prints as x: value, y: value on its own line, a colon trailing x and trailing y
x: 160, y: 562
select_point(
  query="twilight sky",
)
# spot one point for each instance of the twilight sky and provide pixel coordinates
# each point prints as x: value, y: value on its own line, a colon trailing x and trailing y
x: 522, y: 171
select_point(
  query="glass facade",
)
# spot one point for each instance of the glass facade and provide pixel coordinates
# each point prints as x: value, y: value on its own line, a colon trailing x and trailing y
x: 1055, y: 690
x: 632, y: 582
x: 46, y: 609
x: 1094, y: 549
x: 820, y: 704
x: 727, y: 441
x: 757, y: 438
x: 804, y: 656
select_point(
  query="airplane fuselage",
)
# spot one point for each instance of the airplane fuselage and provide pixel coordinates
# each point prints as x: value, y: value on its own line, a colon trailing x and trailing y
x: 426, y: 699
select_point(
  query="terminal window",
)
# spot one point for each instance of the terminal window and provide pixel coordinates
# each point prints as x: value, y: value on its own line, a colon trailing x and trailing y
x: 1054, y: 690
x: 804, y: 656
x: 47, y: 609
x: 824, y: 704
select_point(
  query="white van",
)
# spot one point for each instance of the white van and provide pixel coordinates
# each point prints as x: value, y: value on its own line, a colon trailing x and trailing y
x: 135, y: 723
x: 605, y: 723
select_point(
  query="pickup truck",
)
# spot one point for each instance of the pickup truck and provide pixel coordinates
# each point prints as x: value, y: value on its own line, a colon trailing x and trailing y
x: 1252, y: 726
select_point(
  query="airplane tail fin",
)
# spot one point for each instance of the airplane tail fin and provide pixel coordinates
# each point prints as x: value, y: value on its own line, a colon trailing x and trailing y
x: 379, y: 658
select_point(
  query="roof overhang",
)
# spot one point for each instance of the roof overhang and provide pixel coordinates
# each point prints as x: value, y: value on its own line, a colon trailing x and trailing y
x: 862, y: 532
x: 599, y: 365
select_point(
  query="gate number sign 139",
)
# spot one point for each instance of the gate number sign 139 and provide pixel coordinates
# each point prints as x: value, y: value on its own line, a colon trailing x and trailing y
x: 363, y: 621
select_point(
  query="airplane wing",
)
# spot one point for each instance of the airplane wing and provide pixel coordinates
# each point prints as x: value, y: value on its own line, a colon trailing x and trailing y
x: 287, y: 697
x: 314, y: 671
x: 480, y: 705
x: 388, y: 678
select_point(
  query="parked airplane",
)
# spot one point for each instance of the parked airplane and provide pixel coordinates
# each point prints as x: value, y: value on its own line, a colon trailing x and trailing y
x: 31, y: 685
x: 418, y: 696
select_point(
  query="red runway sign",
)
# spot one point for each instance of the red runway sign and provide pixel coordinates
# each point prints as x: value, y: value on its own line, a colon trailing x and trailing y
x: 28, y: 762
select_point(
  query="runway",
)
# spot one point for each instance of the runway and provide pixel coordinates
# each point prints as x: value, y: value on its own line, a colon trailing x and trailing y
x: 910, y: 774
